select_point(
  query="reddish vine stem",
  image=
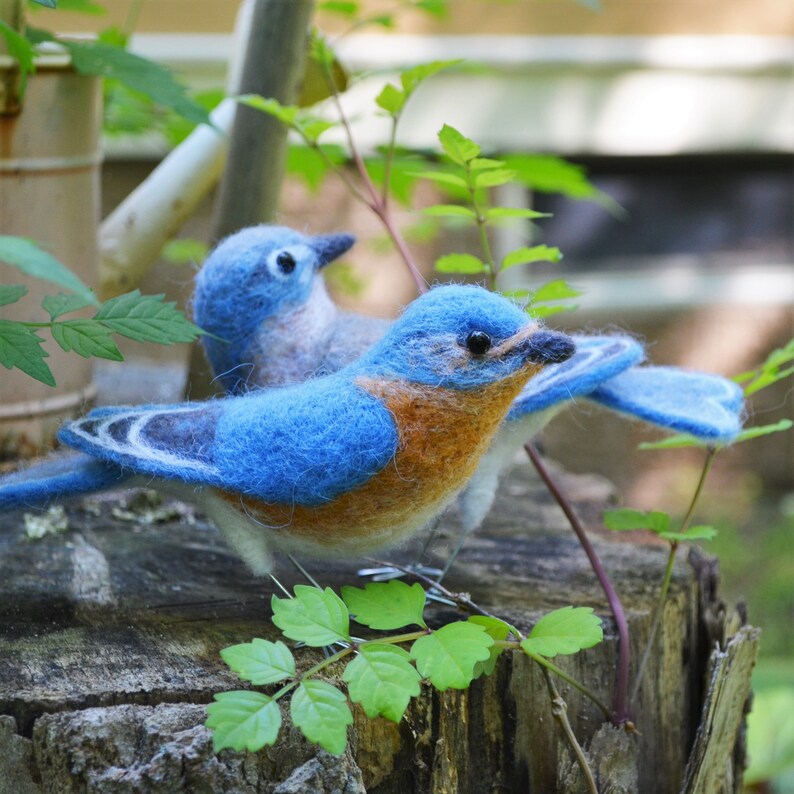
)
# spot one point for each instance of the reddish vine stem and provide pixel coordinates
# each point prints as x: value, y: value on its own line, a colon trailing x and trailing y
x: 620, y: 713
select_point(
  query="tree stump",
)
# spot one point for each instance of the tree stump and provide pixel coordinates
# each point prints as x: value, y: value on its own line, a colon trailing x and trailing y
x: 110, y: 635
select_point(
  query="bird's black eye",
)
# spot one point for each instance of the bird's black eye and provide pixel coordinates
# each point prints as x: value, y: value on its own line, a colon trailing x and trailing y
x: 285, y: 262
x: 478, y: 342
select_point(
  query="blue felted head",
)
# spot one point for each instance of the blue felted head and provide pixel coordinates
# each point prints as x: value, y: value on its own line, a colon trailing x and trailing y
x: 252, y: 275
x: 463, y: 337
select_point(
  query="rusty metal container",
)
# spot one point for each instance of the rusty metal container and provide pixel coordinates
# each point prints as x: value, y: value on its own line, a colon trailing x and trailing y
x: 50, y: 158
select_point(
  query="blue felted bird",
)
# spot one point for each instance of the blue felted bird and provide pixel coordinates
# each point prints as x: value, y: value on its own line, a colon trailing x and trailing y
x: 262, y: 290
x: 334, y: 466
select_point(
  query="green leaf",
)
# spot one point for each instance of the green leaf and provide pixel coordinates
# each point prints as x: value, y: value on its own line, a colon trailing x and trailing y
x: 564, y: 631
x: 771, y: 371
x: 494, y: 177
x: 460, y: 263
x: 87, y: 338
x: 499, y: 213
x: 260, y: 661
x: 457, y: 146
x: 315, y: 617
x: 450, y: 211
x: 56, y: 305
x: 320, y: 51
x: 402, y: 180
x: 441, y: 178
x: 321, y: 712
x: 629, y: 519
x: 447, y: 657
x: 288, y: 114
x: 484, y: 163
x: 545, y: 310
x: 137, y: 73
x: 386, y: 606
x: 11, y: 293
x: 243, y: 720
x: 383, y: 680
x: 693, y: 533
x: 498, y: 630
x: 312, y: 128
x: 26, y: 256
x: 673, y: 442
x: 765, y: 430
x: 20, y: 48
x: 549, y: 174
x: 411, y: 78
x: 310, y: 166
x: 555, y: 291
x: 184, y: 251
x: 537, y: 253
x: 20, y: 347
x: 438, y: 8
x: 147, y: 318
x: 391, y: 99
x: 46, y: 3
x: 345, y: 9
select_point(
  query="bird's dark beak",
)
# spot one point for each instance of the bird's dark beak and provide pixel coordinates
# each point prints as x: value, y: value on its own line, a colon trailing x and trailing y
x: 331, y: 246
x: 549, y: 347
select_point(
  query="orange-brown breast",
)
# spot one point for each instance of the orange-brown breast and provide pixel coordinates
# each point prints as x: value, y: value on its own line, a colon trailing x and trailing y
x: 442, y: 436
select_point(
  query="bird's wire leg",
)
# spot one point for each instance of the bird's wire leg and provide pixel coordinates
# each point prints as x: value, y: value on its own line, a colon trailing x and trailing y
x: 280, y: 586
x: 452, y: 557
x: 304, y: 573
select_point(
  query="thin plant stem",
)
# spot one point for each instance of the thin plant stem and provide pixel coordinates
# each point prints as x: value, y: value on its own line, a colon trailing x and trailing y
x: 620, y: 713
x: 559, y: 710
x: 668, y: 574
x: 376, y: 202
x: 559, y: 672
x: 465, y: 603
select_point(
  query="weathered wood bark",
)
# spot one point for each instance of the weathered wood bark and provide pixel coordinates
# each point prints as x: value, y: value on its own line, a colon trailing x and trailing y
x: 110, y: 633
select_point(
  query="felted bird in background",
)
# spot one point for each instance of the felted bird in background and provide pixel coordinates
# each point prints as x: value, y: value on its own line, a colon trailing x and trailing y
x: 262, y: 290
x: 335, y: 466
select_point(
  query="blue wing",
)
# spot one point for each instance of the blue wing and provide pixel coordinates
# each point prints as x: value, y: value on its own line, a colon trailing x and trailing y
x: 706, y: 406
x: 304, y: 444
x: 596, y: 359
x: 60, y: 475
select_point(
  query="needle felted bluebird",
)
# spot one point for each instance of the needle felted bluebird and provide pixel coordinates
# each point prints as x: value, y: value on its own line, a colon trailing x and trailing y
x: 285, y: 328
x: 334, y: 466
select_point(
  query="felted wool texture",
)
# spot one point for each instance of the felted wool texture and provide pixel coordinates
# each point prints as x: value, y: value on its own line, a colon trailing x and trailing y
x: 241, y: 285
x: 431, y: 339
x: 597, y: 358
x: 58, y: 476
x: 303, y: 444
x: 443, y: 434
x: 307, y: 444
x: 705, y: 406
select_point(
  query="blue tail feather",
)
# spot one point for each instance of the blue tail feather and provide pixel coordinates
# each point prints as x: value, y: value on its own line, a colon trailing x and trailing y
x: 706, y: 406
x: 60, y: 475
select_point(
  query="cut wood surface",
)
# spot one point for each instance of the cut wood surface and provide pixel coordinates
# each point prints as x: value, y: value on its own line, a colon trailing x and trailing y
x: 110, y: 635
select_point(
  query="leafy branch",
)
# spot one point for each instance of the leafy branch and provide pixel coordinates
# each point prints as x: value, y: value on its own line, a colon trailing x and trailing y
x: 381, y: 675
x: 143, y: 318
